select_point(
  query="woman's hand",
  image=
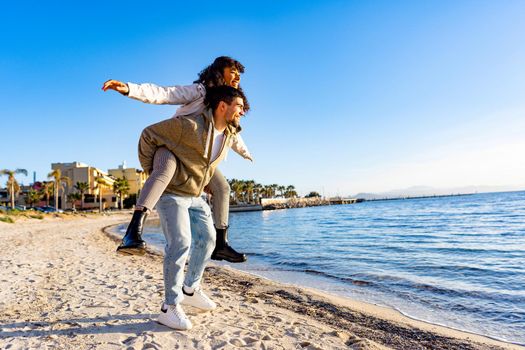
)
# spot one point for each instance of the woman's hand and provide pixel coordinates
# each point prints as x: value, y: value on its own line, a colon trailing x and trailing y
x: 117, y: 86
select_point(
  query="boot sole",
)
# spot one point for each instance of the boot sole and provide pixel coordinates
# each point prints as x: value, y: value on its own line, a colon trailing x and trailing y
x: 131, y: 251
x: 216, y: 258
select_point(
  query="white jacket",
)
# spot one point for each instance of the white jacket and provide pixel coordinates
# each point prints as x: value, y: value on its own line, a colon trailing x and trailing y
x: 191, y: 97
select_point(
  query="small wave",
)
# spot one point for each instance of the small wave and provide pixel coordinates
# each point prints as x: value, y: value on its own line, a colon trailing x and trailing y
x: 460, y: 293
x: 459, y: 269
x: 467, y: 250
x: 512, y: 233
x: 356, y: 282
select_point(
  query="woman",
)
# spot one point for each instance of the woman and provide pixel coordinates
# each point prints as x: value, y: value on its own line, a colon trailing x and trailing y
x: 223, y: 71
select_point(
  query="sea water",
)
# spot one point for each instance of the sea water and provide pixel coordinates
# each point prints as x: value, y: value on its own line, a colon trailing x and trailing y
x: 456, y: 261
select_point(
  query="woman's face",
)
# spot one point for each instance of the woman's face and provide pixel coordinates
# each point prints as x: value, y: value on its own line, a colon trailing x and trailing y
x: 232, y: 77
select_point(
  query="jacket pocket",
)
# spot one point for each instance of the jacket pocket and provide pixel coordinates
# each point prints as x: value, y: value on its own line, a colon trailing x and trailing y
x: 181, y: 175
x: 180, y: 181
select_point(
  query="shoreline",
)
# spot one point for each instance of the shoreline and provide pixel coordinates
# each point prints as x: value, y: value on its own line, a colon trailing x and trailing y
x: 392, y: 312
x: 66, y: 288
x: 381, y: 311
x: 302, y: 279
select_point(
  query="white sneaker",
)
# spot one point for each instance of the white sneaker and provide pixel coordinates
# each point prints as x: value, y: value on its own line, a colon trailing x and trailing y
x: 199, y: 300
x: 174, y: 317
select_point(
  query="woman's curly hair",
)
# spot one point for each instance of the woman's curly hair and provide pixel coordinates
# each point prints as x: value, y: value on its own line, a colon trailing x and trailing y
x: 213, y: 75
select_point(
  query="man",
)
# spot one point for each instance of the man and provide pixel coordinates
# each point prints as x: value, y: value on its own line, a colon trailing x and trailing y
x: 223, y: 71
x: 199, y: 143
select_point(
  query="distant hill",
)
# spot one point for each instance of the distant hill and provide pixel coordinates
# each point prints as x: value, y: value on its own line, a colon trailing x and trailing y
x: 421, y: 191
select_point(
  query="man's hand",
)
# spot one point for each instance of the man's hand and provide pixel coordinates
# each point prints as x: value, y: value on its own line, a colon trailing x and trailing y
x: 117, y: 86
x: 207, y: 190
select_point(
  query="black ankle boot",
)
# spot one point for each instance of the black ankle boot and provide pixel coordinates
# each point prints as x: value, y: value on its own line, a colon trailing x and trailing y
x: 223, y: 251
x: 132, y: 243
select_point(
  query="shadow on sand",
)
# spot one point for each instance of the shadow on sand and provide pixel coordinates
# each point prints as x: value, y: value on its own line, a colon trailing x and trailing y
x: 132, y: 324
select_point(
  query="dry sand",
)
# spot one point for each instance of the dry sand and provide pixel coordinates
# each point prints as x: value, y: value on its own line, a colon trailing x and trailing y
x: 63, y: 287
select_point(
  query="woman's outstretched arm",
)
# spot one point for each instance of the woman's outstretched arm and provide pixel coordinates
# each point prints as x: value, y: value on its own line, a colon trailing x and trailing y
x: 155, y: 94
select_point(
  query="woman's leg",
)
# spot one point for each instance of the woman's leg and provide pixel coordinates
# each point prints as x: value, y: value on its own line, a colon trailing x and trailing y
x: 164, y: 166
x: 220, y: 190
x: 220, y: 200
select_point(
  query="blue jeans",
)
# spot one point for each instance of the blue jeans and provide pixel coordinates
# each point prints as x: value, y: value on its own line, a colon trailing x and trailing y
x: 184, y: 218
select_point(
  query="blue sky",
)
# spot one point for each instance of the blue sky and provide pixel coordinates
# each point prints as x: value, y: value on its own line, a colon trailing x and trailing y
x: 347, y: 96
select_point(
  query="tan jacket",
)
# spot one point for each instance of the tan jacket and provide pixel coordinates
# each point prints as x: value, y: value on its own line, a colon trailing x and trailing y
x: 190, y: 139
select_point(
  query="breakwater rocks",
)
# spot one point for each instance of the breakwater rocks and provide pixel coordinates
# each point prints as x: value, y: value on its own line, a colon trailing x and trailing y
x: 288, y: 203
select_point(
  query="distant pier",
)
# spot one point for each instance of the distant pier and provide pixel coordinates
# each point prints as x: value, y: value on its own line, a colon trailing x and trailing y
x: 345, y: 200
x: 289, y: 203
x: 245, y: 207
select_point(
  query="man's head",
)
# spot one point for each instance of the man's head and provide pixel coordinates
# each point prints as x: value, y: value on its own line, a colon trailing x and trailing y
x: 227, y: 104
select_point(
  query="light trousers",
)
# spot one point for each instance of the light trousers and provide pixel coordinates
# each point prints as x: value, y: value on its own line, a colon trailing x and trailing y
x: 186, y: 223
x: 164, y: 166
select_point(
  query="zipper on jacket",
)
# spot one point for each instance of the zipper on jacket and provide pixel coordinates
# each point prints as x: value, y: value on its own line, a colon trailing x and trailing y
x: 207, y: 156
x: 209, y: 147
x: 208, y: 139
x: 222, y: 146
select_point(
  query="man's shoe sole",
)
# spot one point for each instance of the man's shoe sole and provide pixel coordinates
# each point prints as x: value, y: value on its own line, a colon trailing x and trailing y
x: 175, y: 328
x: 198, y: 307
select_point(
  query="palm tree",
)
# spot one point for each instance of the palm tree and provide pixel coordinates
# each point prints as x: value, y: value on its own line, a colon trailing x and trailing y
x: 281, y: 189
x: 237, y: 188
x: 33, y: 197
x: 231, y: 182
x: 59, y: 180
x: 274, y: 189
x: 290, y: 192
x: 72, y: 198
x: 12, y: 184
x: 121, y: 188
x: 248, y: 187
x: 82, y: 188
x: 101, y: 182
x: 267, y: 191
x: 312, y: 194
x: 47, y: 190
x: 258, y: 188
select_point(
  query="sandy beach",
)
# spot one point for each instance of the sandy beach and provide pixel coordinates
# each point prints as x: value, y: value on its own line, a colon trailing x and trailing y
x: 64, y: 287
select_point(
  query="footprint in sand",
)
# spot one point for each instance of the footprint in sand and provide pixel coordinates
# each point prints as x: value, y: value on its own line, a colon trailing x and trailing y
x: 250, y: 340
x: 275, y: 319
x: 237, y: 342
